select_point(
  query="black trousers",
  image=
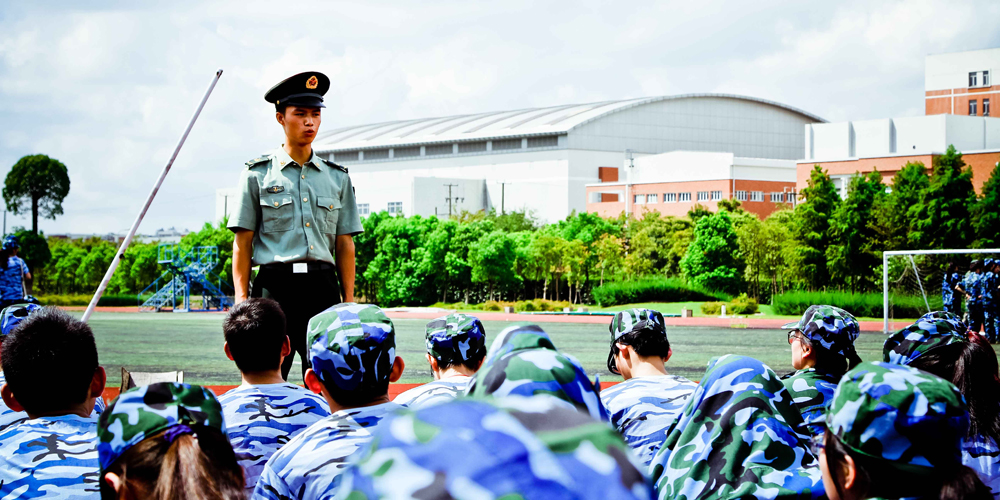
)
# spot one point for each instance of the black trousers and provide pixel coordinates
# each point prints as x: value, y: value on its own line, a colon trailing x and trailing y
x: 301, y: 296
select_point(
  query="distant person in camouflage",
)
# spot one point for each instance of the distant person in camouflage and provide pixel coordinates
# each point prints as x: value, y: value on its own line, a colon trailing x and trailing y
x: 648, y: 402
x: 53, y: 375
x: 972, y: 287
x: 822, y: 343
x: 353, y: 355
x: 990, y: 296
x: 456, y: 348
x: 938, y: 343
x: 13, y: 272
x: 522, y: 361
x: 510, y: 448
x: 949, y: 281
x: 265, y: 412
x: 737, y: 438
x: 167, y: 441
x: 896, y: 432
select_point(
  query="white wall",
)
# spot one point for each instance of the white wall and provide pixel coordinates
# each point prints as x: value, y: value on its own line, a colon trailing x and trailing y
x: 831, y: 140
x: 758, y: 169
x: 681, y: 166
x: 430, y: 196
x: 914, y: 135
x: 951, y: 71
x: 873, y: 138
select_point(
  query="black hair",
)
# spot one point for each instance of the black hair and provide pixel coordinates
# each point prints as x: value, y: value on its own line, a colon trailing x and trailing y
x: 475, y: 359
x: 880, y: 479
x: 362, y: 395
x: 49, y: 360
x: 643, y: 342
x: 832, y: 363
x: 975, y: 265
x: 972, y: 366
x: 255, y: 332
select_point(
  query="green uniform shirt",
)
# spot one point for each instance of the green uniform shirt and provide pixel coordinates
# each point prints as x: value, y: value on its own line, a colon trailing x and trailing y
x: 295, y: 211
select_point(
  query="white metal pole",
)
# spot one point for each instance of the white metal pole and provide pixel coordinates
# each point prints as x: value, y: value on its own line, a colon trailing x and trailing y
x: 885, y: 292
x: 152, y: 194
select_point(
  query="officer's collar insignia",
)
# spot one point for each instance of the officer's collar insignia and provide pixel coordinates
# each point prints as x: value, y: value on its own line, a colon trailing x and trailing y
x: 312, y: 82
x: 275, y: 189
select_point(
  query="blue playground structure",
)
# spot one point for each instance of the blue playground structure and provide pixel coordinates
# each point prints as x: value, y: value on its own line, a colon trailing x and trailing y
x: 190, y: 272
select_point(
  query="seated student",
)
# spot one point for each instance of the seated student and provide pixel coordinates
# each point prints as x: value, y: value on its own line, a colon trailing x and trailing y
x: 516, y: 447
x: 523, y: 362
x: 352, y: 349
x: 456, y: 347
x: 10, y: 317
x: 822, y: 343
x: 167, y: 441
x: 50, y: 363
x: 896, y: 432
x: 938, y: 343
x: 648, y: 402
x: 264, y: 412
x: 737, y: 438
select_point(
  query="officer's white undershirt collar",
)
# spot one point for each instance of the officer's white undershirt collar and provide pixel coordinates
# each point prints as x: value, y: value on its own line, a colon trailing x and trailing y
x: 284, y: 160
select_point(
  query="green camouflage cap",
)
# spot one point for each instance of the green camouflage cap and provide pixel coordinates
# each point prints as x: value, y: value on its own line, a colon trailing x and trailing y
x: 456, y: 338
x: 931, y: 331
x: 145, y: 411
x: 352, y: 346
x: 834, y: 328
x: 632, y: 320
x: 908, y: 419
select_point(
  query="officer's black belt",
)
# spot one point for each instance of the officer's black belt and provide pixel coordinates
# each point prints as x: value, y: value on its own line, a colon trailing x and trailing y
x: 313, y: 266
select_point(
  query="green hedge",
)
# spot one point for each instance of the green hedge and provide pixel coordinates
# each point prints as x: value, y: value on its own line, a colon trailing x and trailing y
x: 653, y: 290
x: 859, y: 304
x: 82, y: 300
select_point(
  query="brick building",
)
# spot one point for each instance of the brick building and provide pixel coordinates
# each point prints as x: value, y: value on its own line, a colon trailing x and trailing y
x: 962, y: 83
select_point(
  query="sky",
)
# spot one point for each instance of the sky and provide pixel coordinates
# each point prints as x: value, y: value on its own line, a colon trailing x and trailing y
x: 108, y: 87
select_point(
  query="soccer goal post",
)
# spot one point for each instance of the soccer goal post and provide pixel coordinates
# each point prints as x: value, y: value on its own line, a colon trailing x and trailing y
x: 917, y: 277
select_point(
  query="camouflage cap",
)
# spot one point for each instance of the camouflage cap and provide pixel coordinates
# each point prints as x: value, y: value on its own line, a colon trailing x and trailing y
x: 633, y: 320
x: 834, y: 328
x: 531, y: 365
x: 933, y: 330
x: 145, y: 411
x: 522, y: 448
x: 456, y: 338
x: 352, y: 346
x: 908, y: 418
x: 988, y: 262
x: 516, y: 338
x: 12, y: 315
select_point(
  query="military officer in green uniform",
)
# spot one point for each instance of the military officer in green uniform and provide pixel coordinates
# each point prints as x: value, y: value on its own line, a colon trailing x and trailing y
x: 296, y: 218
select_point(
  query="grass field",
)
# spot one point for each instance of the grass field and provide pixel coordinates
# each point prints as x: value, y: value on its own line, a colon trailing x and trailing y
x: 193, y: 343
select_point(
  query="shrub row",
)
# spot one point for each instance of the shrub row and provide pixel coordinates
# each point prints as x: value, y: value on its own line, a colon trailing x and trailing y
x: 82, y: 300
x: 653, y: 290
x: 740, y: 305
x: 537, y: 305
x: 858, y: 304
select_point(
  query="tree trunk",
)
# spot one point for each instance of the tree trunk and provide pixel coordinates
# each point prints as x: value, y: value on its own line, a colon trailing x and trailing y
x: 602, y: 277
x: 34, y: 214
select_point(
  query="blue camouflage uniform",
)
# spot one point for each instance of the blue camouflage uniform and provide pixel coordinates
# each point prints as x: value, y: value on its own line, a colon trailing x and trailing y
x: 990, y: 296
x: 973, y: 286
x: 50, y: 457
x: 12, y: 279
x: 531, y: 448
x: 642, y: 409
x: 948, y: 282
x: 451, y: 340
x: 352, y: 348
x: 260, y: 419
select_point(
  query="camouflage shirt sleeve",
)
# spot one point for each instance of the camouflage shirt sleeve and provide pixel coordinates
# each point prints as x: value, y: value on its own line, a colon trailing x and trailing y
x: 270, y: 486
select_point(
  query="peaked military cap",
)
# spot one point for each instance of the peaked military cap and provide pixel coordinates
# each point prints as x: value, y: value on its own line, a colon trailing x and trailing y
x: 634, y: 320
x: 834, y: 328
x: 352, y: 346
x: 304, y: 89
x: 456, y: 338
x: 931, y: 331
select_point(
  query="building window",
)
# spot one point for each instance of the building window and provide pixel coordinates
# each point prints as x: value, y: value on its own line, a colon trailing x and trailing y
x: 506, y: 144
x: 345, y: 156
x: 669, y: 197
x: 741, y: 196
x: 406, y: 152
x: 777, y: 197
x: 438, y: 149
x: 716, y: 195
x: 651, y: 198
x: 702, y: 195
x: 972, y: 107
x: 395, y: 207
x: 972, y: 79
x: 986, y: 107
x: 639, y: 199
x: 363, y: 209
x: 549, y: 141
x: 472, y: 147
x: 986, y: 78
x: 683, y: 196
x: 377, y: 154
x: 756, y: 196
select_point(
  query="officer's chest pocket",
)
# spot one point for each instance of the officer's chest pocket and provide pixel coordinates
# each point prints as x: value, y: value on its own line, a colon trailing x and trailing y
x: 277, y: 213
x: 328, y: 213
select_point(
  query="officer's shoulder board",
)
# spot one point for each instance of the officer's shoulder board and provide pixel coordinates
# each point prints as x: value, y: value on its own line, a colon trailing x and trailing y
x: 258, y: 161
x: 334, y: 165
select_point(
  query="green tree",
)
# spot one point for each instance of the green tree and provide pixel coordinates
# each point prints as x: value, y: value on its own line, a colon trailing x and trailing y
x: 712, y: 259
x: 492, y: 259
x: 575, y: 257
x: 854, y: 253
x: 893, y: 215
x: 943, y: 216
x: 220, y: 237
x: 986, y: 213
x: 610, y: 252
x: 813, y: 228
x: 39, y: 184
x: 698, y: 211
x: 656, y: 244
